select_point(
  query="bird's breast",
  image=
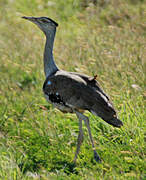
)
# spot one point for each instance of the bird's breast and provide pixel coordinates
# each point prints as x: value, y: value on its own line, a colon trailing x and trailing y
x: 57, y: 103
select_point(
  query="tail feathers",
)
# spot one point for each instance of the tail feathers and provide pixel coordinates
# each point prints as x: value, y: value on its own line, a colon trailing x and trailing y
x: 110, y: 119
x: 115, y: 122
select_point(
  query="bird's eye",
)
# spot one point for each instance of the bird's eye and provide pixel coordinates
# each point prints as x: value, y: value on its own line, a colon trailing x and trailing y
x: 44, y: 21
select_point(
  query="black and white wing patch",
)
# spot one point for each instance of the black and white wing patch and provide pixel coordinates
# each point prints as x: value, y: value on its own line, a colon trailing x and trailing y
x: 55, y: 98
x: 52, y: 96
x: 51, y: 93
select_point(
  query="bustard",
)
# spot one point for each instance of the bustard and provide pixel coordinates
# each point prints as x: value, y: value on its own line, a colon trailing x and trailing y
x: 73, y: 92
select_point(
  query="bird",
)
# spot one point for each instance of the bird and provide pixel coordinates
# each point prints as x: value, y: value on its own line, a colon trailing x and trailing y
x: 73, y: 92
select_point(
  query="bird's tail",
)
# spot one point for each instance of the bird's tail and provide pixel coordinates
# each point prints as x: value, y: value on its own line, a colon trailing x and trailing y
x: 110, y: 118
x: 115, y: 122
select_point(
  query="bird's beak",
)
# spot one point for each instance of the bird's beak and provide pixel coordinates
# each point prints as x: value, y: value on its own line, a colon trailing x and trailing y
x: 32, y: 19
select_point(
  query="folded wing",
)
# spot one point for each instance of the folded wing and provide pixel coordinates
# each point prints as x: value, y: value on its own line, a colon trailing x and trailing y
x: 82, y: 92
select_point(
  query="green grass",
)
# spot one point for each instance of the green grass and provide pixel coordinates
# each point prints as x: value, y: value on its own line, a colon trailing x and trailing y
x: 108, y: 40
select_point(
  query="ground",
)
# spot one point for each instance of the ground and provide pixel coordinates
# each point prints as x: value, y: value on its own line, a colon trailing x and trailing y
x: 107, y: 40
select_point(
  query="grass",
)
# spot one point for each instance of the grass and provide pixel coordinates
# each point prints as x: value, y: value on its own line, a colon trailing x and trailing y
x: 37, y: 141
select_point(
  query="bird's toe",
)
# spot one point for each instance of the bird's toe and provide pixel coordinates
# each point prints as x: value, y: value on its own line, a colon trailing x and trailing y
x: 96, y: 157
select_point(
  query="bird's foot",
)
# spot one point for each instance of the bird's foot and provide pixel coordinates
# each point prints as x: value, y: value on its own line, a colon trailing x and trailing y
x: 96, y: 157
x: 75, y: 160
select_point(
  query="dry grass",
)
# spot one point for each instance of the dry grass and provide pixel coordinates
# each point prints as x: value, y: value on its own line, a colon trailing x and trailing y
x: 108, y: 40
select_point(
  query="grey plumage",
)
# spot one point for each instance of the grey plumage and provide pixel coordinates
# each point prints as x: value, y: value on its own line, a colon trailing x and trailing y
x: 70, y: 91
x: 75, y: 90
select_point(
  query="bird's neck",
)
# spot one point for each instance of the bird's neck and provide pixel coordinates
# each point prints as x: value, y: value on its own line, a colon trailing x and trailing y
x: 49, y: 63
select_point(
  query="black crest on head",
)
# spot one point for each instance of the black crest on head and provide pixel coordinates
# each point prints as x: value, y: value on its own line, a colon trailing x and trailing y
x: 56, y: 24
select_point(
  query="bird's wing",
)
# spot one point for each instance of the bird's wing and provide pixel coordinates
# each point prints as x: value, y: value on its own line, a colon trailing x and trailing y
x: 91, y: 81
x: 75, y: 92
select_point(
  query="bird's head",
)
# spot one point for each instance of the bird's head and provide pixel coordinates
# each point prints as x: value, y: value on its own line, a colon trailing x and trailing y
x: 44, y: 23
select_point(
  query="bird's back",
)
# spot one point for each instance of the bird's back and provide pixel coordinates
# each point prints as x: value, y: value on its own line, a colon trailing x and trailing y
x: 75, y: 91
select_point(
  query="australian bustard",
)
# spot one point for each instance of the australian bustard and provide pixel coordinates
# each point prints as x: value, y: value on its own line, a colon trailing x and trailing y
x: 70, y: 91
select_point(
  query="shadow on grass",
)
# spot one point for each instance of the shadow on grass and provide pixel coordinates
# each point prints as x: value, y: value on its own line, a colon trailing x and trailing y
x: 67, y: 167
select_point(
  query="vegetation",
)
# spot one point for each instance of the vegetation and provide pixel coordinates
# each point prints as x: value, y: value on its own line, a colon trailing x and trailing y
x: 107, y: 39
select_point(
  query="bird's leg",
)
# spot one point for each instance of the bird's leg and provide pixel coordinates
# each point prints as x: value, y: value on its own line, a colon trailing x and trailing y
x: 80, y: 136
x: 86, y: 120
